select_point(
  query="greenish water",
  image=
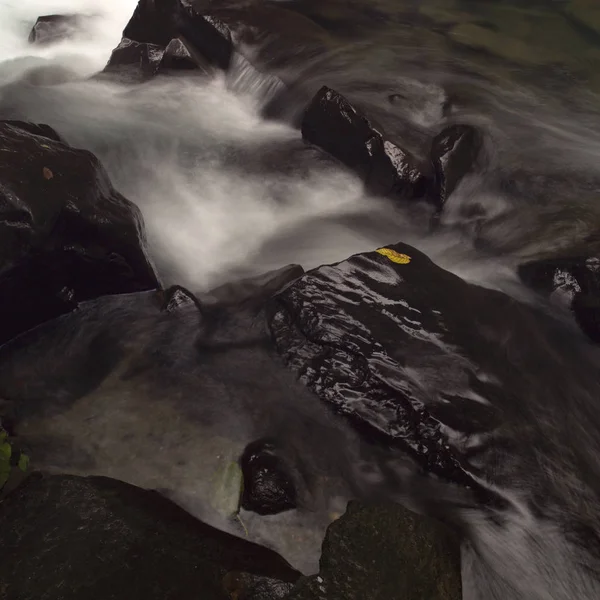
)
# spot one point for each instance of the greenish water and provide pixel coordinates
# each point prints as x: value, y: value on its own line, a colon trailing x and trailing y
x: 557, y: 43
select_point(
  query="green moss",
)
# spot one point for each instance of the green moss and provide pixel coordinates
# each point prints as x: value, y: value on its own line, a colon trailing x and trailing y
x: 5, y: 455
x: 227, y: 489
x: 23, y: 462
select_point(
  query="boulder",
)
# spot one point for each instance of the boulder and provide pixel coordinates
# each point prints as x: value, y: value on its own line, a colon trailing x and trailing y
x: 134, y: 61
x: 385, y: 552
x: 573, y: 279
x: 333, y: 124
x: 67, y: 234
x: 160, y: 21
x: 50, y: 29
x: 169, y: 35
x: 453, y: 154
x: 408, y: 352
x: 97, y: 538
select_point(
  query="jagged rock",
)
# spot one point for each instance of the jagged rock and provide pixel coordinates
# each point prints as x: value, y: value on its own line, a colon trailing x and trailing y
x: 453, y: 154
x: 67, y: 235
x: 50, y: 29
x: 135, y: 61
x: 177, y: 58
x: 97, y: 538
x: 177, y: 297
x: 268, y: 489
x: 575, y: 280
x: 385, y: 552
x: 333, y: 124
x: 158, y: 22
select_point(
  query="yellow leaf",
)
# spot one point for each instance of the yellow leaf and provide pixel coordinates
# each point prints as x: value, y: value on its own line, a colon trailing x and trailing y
x: 401, y: 259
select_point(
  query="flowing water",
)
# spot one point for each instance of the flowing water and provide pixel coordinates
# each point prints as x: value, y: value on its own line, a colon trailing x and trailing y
x: 226, y: 193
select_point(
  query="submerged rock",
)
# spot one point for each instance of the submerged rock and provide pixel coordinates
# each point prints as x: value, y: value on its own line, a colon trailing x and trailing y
x: 333, y: 124
x: 50, y: 29
x: 575, y: 280
x: 385, y: 552
x: 97, y: 538
x: 67, y: 235
x: 453, y: 154
x: 148, y: 389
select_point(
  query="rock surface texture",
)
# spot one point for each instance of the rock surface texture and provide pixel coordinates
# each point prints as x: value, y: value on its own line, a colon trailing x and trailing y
x: 97, y: 538
x: 334, y: 125
x: 385, y: 552
x: 67, y: 234
x: 51, y: 29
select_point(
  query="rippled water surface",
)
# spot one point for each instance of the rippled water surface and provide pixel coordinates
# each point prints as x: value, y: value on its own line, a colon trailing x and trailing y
x: 227, y: 193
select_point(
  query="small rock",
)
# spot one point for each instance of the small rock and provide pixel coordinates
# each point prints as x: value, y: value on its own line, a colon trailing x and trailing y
x: 177, y: 58
x: 575, y: 280
x: 177, y: 297
x: 333, y: 124
x: 385, y: 552
x: 50, y: 29
x: 268, y: 490
x: 453, y: 154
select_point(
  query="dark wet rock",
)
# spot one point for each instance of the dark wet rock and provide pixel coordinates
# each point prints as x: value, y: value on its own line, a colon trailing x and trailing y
x: 67, y: 235
x: 575, y: 280
x: 453, y: 153
x: 268, y: 489
x: 385, y: 552
x: 169, y: 35
x: 97, y: 538
x: 153, y: 22
x: 333, y: 124
x: 50, y: 29
x: 135, y: 61
x: 207, y: 38
x: 389, y: 339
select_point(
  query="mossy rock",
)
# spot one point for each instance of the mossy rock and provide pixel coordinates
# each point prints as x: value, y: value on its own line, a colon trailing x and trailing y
x: 14, y: 464
x: 385, y: 552
x: 100, y: 539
